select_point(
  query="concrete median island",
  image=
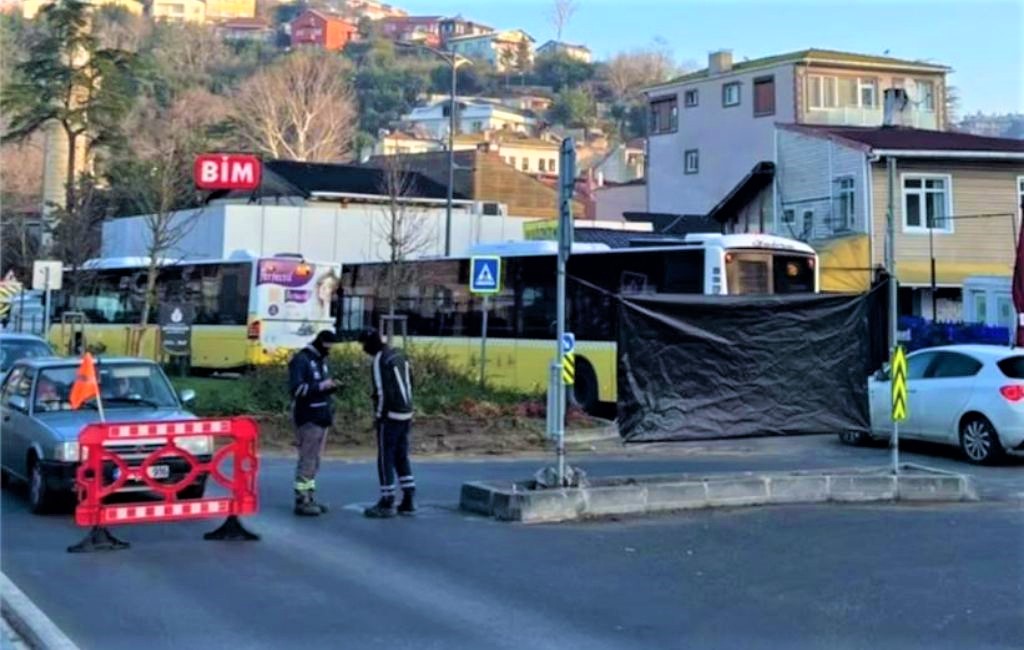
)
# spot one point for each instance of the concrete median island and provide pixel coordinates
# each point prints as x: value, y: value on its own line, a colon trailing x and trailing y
x: 602, y: 497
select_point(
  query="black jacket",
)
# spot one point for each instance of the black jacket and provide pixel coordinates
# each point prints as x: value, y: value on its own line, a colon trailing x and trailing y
x: 392, y: 385
x: 310, y: 405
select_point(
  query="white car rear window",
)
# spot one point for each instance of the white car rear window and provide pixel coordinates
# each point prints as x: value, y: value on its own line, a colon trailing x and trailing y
x: 1012, y: 367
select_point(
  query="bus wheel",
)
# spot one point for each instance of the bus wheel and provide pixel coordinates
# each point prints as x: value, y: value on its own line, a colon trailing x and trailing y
x: 585, y: 390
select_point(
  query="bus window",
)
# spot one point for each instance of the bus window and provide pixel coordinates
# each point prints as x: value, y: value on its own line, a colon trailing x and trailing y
x: 793, y: 274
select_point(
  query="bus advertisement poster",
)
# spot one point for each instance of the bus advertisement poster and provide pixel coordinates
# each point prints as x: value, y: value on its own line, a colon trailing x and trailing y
x: 294, y: 299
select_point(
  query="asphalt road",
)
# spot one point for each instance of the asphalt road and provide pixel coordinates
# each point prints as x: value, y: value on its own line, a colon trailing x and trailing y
x: 871, y: 576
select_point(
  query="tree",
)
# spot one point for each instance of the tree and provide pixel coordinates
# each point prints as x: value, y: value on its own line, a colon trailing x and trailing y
x: 155, y: 181
x: 628, y: 72
x: 573, y: 107
x: 560, y: 71
x: 524, y: 56
x: 21, y: 190
x: 562, y: 12
x: 301, y: 108
x: 470, y: 79
x: 951, y: 114
x: 68, y: 79
x: 404, y: 231
x: 507, y: 62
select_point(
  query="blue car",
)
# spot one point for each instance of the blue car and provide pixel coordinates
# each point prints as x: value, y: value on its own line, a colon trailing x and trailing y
x: 40, y: 431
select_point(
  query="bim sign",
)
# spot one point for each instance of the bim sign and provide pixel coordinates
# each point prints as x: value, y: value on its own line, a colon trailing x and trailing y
x: 227, y: 172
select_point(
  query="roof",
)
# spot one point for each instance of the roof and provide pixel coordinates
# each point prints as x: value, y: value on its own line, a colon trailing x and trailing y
x: 752, y: 184
x: 900, y: 138
x: 553, y: 43
x: 814, y: 55
x: 326, y: 15
x: 63, y: 362
x: 294, y: 178
x: 245, y: 23
x: 676, y: 224
x: 620, y: 238
x: 977, y: 349
x: 511, y: 140
x: 494, y: 35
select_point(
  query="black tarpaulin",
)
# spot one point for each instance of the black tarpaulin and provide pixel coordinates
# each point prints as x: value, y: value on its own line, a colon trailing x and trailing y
x: 702, y: 367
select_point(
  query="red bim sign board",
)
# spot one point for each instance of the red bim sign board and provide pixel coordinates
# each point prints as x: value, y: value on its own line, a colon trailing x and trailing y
x: 227, y: 172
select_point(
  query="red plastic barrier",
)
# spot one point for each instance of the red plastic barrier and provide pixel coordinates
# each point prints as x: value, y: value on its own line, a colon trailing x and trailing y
x: 95, y: 448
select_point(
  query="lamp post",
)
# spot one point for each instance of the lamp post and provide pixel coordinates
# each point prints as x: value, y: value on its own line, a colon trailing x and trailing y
x: 454, y: 61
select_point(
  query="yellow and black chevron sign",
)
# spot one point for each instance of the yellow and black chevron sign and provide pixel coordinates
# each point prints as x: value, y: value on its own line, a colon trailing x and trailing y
x: 900, y: 405
x: 569, y: 368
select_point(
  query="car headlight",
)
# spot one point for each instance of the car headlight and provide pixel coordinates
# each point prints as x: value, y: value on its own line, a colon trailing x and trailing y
x: 196, y: 445
x: 66, y: 452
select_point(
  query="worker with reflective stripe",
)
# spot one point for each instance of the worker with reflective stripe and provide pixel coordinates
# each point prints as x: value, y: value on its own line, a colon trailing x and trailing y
x: 311, y: 387
x: 392, y: 403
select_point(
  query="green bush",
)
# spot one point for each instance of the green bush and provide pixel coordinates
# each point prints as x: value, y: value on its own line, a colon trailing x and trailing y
x: 441, y: 388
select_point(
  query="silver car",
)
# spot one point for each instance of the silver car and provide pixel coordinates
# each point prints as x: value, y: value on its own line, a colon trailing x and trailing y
x: 15, y: 346
x: 40, y: 430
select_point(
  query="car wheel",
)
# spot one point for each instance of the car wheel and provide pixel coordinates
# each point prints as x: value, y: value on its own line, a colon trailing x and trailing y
x: 40, y: 498
x: 854, y: 438
x: 979, y: 440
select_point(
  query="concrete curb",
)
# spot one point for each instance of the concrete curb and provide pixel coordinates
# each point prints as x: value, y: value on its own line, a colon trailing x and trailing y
x: 651, y: 494
x: 35, y: 627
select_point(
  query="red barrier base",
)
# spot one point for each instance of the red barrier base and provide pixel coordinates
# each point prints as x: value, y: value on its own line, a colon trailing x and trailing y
x: 232, y: 530
x: 99, y: 539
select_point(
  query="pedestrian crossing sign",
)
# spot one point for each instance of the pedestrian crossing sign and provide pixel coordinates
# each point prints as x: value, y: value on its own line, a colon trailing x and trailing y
x: 485, y: 274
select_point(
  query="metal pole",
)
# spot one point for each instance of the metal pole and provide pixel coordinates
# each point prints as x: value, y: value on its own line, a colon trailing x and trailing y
x: 566, y: 185
x: 931, y: 253
x: 46, y: 312
x: 893, y: 295
x: 483, y: 342
x: 451, y: 161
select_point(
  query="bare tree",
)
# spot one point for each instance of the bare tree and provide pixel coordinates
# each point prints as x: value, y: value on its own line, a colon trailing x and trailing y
x: 301, y: 108
x: 628, y: 72
x: 156, y: 182
x: 562, y: 12
x: 404, y: 231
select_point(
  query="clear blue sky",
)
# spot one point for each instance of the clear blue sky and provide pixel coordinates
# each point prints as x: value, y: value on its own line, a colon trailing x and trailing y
x: 980, y: 39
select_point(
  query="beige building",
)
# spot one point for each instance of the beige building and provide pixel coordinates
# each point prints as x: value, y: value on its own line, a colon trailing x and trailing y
x: 227, y: 9
x: 956, y: 199
x: 530, y: 155
x: 707, y: 129
x: 183, y: 11
x: 504, y: 50
x: 29, y: 8
x: 555, y: 48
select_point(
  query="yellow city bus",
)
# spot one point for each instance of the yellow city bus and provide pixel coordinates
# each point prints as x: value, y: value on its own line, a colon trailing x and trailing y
x: 246, y: 309
x: 435, y: 306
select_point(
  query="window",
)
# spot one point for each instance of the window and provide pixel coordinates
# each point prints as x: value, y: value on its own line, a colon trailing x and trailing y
x: 867, y: 92
x: 1012, y: 367
x: 478, y: 126
x: 19, y: 383
x: 664, y: 115
x: 917, y: 364
x: 690, y: 98
x: 950, y: 364
x: 512, y: 160
x: 551, y: 165
x: 925, y: 94
x: 542, y: 165
x: 808, y: 225
x: 822, y: 92
x: 764, y: 96
x: 979, y: 300
x: 788, y: 217
x: 845, y: 210
x: 927, y: 202
x: 731, y: 94
x: 691, y: 161
x: 526, y: 164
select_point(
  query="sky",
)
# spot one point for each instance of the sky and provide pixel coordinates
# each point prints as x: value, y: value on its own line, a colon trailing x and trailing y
x: 982, y: 40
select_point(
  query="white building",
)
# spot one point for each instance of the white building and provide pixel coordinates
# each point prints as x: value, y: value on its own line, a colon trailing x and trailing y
x: 504, y: 50
x: 707, y: 129
x: 474, y: 117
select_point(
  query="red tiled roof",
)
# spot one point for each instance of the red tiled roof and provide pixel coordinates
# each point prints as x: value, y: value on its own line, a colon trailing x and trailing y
x: 908, y: 139
x: 245, y: 23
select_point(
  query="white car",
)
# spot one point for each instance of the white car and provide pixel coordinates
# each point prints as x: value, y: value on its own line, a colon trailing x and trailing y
x: 971, y: 396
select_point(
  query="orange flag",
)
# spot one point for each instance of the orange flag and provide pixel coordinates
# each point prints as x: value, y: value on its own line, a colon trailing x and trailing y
x: 86, y: 385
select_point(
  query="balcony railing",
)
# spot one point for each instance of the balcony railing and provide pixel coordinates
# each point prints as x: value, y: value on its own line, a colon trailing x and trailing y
x: 856, y: 116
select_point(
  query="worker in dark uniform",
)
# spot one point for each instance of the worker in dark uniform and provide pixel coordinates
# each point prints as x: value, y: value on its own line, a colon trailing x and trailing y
x: 313, y: 413
x: 392, y: 404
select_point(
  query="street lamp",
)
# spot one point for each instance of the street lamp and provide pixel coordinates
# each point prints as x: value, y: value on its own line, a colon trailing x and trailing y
x: 454, y: 61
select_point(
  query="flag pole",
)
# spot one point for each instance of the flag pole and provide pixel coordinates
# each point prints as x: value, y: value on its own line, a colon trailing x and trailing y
x: 99, y: 393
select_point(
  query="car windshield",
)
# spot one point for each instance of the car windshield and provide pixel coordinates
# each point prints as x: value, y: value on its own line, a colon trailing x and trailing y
x: 12, y: 350
x: 121, y: 386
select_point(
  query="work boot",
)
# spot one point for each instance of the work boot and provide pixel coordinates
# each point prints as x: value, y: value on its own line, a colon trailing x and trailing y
x: 304, y: 505
x: 323, y: 506
x: 408, y: 506
x: 384, y: 509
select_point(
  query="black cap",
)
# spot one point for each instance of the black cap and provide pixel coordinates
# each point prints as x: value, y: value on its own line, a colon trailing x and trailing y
x: 326, y: 337
x: 369, y: 334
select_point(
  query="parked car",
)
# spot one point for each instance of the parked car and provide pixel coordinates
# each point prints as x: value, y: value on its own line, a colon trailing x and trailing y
x: 971, y: 396
x: 20, y: 346
x: 40, y: 430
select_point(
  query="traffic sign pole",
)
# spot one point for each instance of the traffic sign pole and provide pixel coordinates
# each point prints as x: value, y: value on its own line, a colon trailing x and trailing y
x: 46, y: 311
x: 483, y: 342
x: 566, y: 187
x: 900, y: 401
x: 485, y: 279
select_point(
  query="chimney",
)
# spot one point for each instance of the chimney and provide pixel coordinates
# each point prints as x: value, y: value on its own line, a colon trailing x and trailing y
x: 895, y: 102
x: 720, y: 61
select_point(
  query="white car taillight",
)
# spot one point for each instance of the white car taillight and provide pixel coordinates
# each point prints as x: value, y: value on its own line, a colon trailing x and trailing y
x: 1013, y: 392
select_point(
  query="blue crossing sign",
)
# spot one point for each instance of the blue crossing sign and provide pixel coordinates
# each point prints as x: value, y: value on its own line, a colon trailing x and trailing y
x: 485, y: 274
x: 568, y: 343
